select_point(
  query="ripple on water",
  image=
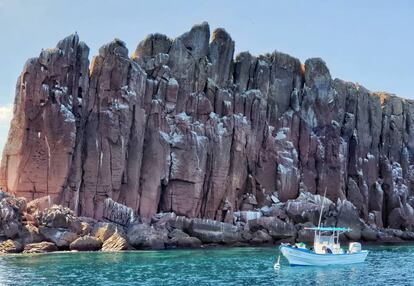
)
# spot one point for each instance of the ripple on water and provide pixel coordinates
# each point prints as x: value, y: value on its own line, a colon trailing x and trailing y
x: 385, y: 265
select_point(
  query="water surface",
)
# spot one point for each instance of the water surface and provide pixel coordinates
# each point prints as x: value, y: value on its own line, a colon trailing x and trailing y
x: 385, y: 265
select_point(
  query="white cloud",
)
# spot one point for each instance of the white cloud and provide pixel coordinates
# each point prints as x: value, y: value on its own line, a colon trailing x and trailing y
x: 6, y: 113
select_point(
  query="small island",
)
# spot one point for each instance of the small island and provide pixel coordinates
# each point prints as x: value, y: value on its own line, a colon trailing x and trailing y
x: 184, y: 145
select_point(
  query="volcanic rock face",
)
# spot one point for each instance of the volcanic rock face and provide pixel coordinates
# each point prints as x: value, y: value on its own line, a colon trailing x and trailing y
x: 183, y: 126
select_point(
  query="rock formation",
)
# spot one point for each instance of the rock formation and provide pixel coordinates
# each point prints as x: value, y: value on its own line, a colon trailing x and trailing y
x: 185, y: 126
x: 57, y: 228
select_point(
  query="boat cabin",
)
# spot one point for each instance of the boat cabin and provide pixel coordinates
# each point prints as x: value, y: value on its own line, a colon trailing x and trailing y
x: 326, y: 239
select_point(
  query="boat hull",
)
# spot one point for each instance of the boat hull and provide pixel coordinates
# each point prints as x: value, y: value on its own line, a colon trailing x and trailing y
x: 297, y: 256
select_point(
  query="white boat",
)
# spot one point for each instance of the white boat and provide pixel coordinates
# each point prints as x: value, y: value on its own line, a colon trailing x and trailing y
x: 326, y: 248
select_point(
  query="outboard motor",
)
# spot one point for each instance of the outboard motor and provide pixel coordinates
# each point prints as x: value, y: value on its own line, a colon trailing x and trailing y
x: 354, y: 247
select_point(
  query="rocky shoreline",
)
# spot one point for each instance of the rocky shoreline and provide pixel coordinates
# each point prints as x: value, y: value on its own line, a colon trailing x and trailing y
x: 38, y: 227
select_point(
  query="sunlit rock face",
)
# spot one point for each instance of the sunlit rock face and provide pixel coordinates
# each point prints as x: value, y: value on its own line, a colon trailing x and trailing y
x: 183, y: 125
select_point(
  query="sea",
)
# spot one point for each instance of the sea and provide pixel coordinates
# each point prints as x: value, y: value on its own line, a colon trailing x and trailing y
x: 385, y: 265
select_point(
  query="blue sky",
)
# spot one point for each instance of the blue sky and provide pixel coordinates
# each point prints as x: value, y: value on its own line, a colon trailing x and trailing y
x: 369, y: 42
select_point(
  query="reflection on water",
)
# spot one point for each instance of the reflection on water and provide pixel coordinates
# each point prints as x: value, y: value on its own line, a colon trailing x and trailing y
x: 385, y: 265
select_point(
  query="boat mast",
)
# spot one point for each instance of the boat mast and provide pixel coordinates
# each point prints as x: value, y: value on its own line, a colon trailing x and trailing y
x: 320, y: 215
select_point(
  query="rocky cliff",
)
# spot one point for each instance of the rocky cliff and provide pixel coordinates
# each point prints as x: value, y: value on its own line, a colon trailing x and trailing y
x: 185, y: 126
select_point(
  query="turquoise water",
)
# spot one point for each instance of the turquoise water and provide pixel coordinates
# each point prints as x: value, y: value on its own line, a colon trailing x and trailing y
x: 385, y: 265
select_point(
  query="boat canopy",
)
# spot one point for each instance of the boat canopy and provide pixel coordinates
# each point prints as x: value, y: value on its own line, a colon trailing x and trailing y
x: 321, y: 228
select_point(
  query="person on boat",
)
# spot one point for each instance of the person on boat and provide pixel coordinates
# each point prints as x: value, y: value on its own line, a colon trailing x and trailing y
x: 326, y: 250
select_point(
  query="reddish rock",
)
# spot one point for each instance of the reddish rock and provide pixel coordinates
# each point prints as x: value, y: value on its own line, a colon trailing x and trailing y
x: 185, y: 127
x: 44, y: 133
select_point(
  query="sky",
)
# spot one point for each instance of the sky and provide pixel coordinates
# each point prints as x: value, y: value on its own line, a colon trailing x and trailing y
x: 369, y: 42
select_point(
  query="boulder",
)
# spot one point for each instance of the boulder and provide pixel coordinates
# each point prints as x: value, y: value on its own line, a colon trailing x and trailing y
x: 11, y: 228
x: 83, y: 225
x: 261, y: 236
x: 39, y: 204
x: 249, y: 202
x: 85, y: 228
x: 18, y: 203
x: 180, y: 239
x: 211, y: 231
x: 116, y: 242
x: 274, y: 197
x: 305, y: 235
x: 245, y: 216
x: 118, y: 213
x: 11, y: 209
x: 77, y: 226
x: 179, y: 222
x: 3, y: 194
x: 10, y: 246
x: 89, y: 220
x: 86, y: 243
x: 394, y: 232
x: 348, y: 217
x: 276, y: 228
x: 153, y: 242
x: 104, y: 230
x: 177, y: 233
x: 144, y: 236
x: 30, y: 234
x: 314, y: 199
x: 187, y: 242
x: 40, y: 247
x: 56, y: 216
x: 246, y: 235
x: 402, y: 217
x: 408, y: 235
x: 306, y: 208
x: 384, y: 237
x: 164, y: 220
x: 275, y: 210
x: 302, y: 212
x: 369, y: 234
x: 60, y: 237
